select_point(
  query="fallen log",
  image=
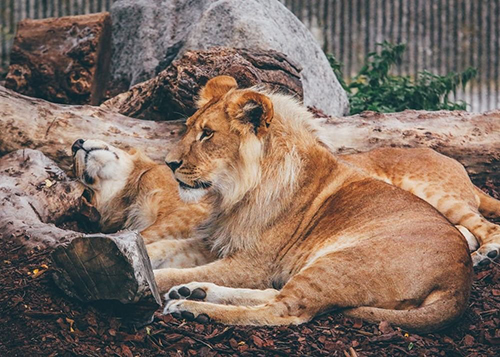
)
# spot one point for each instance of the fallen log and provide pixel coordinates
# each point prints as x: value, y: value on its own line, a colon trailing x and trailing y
x: 471, y: 138
x: 172, y: 93
x: 27, y: 122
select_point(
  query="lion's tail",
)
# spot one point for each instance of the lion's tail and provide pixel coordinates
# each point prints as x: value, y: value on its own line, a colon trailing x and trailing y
x: 427, y: 318
x: 488, y: 206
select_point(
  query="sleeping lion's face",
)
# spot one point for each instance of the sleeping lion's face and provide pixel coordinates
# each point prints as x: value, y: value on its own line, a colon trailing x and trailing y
x: 100, y: 166
x: 221, y: 148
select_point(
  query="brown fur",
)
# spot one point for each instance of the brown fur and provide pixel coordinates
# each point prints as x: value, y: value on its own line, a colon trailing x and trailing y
x: 442, y: 182
x: 148, y: 201
x: 289, y: 215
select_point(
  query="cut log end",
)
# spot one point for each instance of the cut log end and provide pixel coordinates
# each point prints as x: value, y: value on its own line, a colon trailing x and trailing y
x: 113, y: 268
x: 72, y: 64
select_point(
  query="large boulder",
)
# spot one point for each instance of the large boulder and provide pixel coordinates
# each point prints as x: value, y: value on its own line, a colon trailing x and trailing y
x: 149, y: 34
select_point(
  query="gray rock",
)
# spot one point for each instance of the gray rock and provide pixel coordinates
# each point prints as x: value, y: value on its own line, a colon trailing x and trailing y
x: 149, y: 34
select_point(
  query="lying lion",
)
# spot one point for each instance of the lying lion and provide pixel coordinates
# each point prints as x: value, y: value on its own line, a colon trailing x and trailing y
x: 321, y: 238
x: 130, y: 191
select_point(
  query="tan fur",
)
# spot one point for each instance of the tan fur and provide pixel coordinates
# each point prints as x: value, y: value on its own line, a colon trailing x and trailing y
x: 442, y: 182
x: 147, y: 201
x: 289, y: 215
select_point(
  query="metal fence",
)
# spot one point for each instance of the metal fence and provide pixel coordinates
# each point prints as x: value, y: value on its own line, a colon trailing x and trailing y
x: 441, y: 35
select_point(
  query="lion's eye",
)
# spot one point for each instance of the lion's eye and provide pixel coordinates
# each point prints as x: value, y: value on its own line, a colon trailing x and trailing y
x: 206, y: 134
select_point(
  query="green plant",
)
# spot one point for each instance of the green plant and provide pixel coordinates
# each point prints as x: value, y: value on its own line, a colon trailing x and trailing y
x: 374, y: 88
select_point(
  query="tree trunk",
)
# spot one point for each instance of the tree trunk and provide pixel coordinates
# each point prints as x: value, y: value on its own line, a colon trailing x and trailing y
x: 473, y: 139
x: 64, y: 60
x: 172, y: 93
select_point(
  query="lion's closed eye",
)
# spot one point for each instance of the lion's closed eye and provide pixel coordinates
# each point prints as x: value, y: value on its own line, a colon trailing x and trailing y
x: 206, y: 134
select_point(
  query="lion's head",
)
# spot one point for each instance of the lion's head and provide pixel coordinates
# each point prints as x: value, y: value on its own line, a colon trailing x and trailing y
x: 97, y: 164
x: 222, y: 146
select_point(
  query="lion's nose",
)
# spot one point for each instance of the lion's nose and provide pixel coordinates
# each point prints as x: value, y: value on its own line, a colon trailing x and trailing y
x: 77, y: 145
x: 174, y: 165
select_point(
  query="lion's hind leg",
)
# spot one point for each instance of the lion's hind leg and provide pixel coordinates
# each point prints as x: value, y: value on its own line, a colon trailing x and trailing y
x: 487, y: 235
x: 466, y: 214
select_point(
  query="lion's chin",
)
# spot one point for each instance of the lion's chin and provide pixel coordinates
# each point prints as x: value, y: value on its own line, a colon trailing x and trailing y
x: 192, y: 195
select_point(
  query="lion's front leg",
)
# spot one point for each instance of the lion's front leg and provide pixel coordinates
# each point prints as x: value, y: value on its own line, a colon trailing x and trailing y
x: 231, y: 272
x: 184, y: 253
x: 217, y: 294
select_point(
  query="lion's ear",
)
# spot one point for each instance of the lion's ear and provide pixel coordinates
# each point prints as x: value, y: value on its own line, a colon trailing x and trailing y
x: 216, y: 88
x: 252, y: 109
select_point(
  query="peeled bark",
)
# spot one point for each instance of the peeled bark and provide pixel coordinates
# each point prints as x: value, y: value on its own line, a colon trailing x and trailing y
x: 471, y: 138
x: 172, y: 93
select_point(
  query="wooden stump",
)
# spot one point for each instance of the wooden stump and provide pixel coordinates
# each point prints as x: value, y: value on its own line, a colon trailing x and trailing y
x: 64, y: 60
x: 172, y: 94
x: 113, y: 267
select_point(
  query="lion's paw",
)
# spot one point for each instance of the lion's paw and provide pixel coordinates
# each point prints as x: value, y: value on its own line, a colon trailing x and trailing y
x: 192, y: 291
x: 485, y: 254
x: 180, y: 310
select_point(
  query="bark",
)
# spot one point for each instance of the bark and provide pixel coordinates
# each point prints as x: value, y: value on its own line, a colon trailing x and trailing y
x: 109, y: 267
x: 52, y: 128
x: 471, y: 138
x: 172, y: 94
x: 64, y: 60
x: 35, y: 197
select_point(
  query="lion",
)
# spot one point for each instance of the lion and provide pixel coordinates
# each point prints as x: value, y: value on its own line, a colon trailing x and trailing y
x: 130, y: 191
x: 300, y: 232
x: 435, y: 178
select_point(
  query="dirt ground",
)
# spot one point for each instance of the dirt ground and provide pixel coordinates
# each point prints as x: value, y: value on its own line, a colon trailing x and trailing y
x: 37, y: 319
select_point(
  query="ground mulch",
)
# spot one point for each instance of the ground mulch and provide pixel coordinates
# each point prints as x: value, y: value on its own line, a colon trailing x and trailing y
x: 37, y: 319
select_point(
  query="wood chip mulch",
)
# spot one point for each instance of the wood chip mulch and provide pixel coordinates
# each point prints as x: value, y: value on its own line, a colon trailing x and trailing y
x: 37, y: 319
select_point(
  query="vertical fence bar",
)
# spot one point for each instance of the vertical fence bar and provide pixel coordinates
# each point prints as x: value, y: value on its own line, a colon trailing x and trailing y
x: 400, y: 30
x: 301, y: 10
x: 479, y: 58
x: 332, y: 32
x: 28, y: 9
x: 383, y: 10
x: 416, y: 39
x: 376, y: 20
x: 440, y: 36
x: 3, y: 40
x: 367, y: 26
x: 309, y: 13
x: 341, y: 33
x: 44, y: 9
x: 488, y: 53
x: 497, y: 53
x: 425, y: 36
x: 350, y: 41
x: 326, y: 24
x: 392, y: 17
x: 472, y: 61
